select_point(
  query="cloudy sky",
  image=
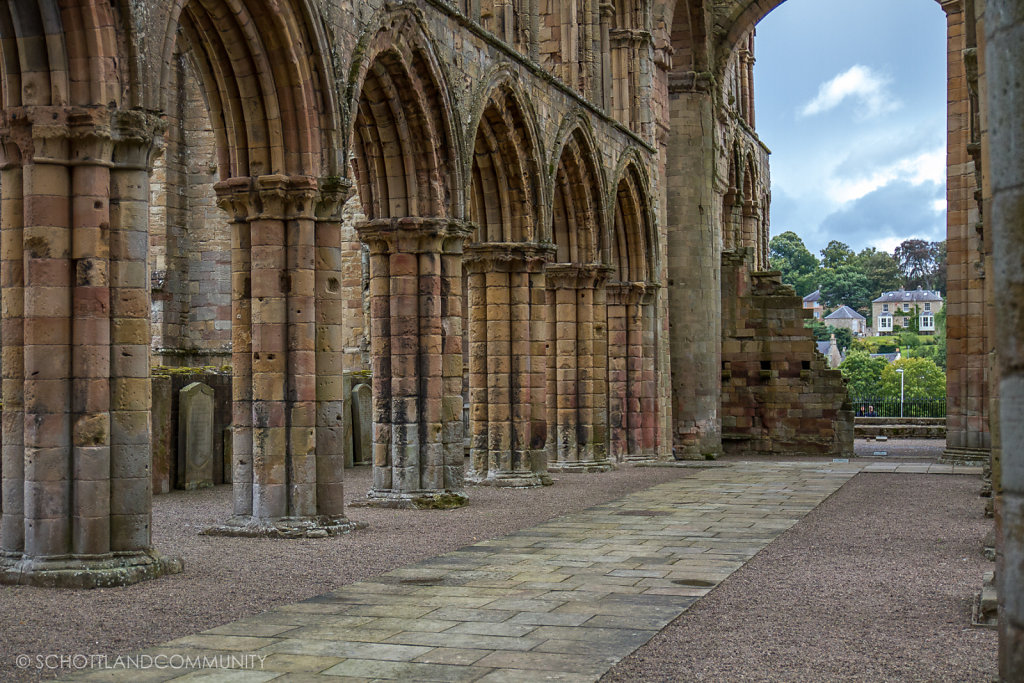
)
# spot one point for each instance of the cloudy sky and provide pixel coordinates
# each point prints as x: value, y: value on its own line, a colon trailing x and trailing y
x: 851, y: 99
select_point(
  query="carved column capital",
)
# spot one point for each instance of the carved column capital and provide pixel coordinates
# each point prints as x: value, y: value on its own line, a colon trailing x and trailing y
x: 138, y: 139
x: 508, y: 256
x: 334, y: 192
x: 416, y: 235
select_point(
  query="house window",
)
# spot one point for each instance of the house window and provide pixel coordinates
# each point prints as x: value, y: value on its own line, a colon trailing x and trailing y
x: 885, y: 323
x: 885, y: 308
x: 927, y: 307
x: 927, y: 323
x: 906, y: 307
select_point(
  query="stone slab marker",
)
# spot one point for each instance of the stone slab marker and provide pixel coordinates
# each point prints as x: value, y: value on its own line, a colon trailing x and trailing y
x: 195, y: 436
x: 362, y: 423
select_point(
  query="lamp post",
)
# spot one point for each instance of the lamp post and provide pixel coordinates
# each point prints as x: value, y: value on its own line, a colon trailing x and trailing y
x: 900, y: 370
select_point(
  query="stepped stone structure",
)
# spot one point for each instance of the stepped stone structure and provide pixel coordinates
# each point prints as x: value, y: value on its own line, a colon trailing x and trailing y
x: 552, y: 214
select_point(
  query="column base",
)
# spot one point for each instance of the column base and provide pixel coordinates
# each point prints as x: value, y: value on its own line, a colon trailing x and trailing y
x: 586, y: 467
x: 284, y: 527
x: 420, y: 500
x: 965, y: 455
x: 87, y: 571
x: 518, y: 480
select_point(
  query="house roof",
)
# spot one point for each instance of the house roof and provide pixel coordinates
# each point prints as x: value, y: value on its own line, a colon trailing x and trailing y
x: 813, y: 297
x: 823, y: 347
x: 910, y: 295
x: 887, y: 357
x: 844, y: 313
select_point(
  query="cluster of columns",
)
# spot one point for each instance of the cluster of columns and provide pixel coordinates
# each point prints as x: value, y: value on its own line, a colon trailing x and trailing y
x: 632, y: 372
x: 507, y: 363
x: 416, y: 345
x: 577, y: 374
x: 288, y: 402
x: 76, y: 494
x: 746, y: 80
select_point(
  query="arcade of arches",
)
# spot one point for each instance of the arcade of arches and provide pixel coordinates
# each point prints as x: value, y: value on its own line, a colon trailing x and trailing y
x: 539, y: 227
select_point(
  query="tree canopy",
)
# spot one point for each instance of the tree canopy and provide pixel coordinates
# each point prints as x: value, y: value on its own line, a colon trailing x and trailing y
x: 922, y: 264
x: 799, y: 266
x: 923, y: 379
x: 863, y: 374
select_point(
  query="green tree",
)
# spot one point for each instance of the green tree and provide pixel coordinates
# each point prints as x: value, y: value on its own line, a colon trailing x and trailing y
x: 881, y: 270
x: 844, y: 285
x: 835, y: 255
x: 923, y: 379
x: 863, y: 374
x: 799, y: 267
x: 922, y: 264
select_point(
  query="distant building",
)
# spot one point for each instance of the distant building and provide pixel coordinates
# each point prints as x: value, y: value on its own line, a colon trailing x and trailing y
x: 831, y: 351
x: 846, y: 317
x: 812, y: 302
x: 893, y: 311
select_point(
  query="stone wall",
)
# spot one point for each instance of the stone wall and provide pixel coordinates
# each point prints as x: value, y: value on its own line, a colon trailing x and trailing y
x: 778, y: 395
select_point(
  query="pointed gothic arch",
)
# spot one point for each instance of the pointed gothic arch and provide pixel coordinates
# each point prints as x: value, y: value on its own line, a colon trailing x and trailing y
x: 506, y: 306
x: 405, y: 153
x: 577, y: 363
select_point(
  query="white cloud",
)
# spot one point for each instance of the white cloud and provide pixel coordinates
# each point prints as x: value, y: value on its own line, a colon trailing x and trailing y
x: 857, y: 82
x: 927, y: 167
x: 889, y: 244
x: 939, y: 206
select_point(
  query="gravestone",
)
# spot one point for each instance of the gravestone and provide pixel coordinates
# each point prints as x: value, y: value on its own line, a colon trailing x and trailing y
x: 362, y: 423
x: 195, y: 436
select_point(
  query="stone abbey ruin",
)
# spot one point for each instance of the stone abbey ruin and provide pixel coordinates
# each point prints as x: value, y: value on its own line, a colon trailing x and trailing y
x: 537, y: 229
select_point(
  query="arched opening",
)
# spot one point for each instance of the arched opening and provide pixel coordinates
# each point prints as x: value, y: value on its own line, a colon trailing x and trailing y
x: 264, y: 82
x: 633, y: 406
x: 505, y: 300
x: 403, y: 156
x: 75, y: 317
x: 577, y: 357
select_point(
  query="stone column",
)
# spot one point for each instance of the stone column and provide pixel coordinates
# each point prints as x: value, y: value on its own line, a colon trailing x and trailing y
x: 416, y: 336
x: 504, y: 362
x: 633, y: 402
x: 618, y: 370
x: 1003, y: 60
x: 12, y: 281
x: 634, y: 367
x: 693, y: 262
x: 577, y: 362
x: 650, y: 405
x: 76, y: 349
x: 967, y: 417
x: 329, y: 300
x: 287, y: 375
x: 607, y: 11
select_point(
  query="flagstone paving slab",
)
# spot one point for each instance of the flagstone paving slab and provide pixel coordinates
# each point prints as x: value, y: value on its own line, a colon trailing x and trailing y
x: 563, y: 601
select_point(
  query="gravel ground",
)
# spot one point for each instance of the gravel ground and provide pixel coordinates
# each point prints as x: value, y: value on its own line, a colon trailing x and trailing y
x: 226, y: 579
x: 876, y: 584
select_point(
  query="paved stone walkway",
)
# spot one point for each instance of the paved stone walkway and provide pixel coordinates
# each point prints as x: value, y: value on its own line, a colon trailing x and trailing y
x: 563, y: 601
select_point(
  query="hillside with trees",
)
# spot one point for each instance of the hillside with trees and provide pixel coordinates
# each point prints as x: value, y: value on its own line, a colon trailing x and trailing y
x: 855, y: 279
